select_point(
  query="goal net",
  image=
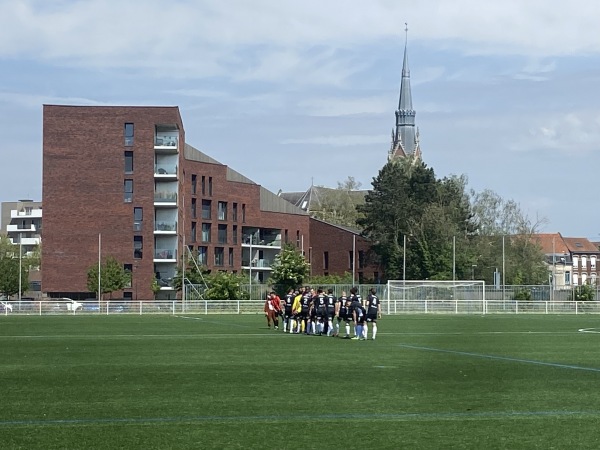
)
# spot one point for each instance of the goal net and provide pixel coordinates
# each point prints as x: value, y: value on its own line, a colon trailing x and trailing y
x: 459, y: 296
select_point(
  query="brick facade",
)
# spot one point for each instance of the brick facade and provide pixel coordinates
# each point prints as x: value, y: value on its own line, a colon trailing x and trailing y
x: 332, y: 250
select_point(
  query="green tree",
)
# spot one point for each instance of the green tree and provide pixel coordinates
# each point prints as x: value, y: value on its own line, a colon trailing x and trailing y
x: 584, y: 293
x: 113, y: 277
x: 289, y: 269
x: 9, y: 268
x: 505, y: 238
x: 408, y: 204
x: 225, y: 286
x: 338, y: 205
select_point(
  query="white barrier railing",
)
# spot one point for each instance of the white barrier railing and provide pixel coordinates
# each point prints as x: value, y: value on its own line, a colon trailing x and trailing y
x: 392, y: 307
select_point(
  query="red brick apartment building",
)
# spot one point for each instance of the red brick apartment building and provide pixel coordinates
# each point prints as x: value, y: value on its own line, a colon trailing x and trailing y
x: 122, y: 182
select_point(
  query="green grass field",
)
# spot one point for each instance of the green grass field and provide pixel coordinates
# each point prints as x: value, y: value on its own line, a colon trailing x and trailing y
x: 428, y: 381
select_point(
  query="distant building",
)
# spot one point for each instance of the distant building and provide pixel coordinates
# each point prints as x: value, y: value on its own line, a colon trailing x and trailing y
x: 122, y: 181
x: 21, y: 222
x: 572, y: 261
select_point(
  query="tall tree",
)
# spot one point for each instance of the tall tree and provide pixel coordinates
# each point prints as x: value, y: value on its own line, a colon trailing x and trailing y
x: 408, y: 204
x: 290, y: 269
x: 113, y: 277
x: 9, y: 268
x: 505, y: 238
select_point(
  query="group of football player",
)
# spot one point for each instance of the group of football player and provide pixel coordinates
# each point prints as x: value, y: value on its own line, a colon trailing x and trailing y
x: 319, y: 313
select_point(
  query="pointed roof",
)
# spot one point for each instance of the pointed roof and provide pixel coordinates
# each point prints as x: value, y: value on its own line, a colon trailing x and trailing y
x: 405, y: 103
x: 405, y: 136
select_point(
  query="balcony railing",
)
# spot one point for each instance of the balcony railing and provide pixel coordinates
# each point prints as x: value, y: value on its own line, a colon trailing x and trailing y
x: 165, y: 226
x: 33, y: 213
x: 169, y: 197
x: 16, y: 229
x: 165, y: 141
x: 255, y: 240
x: 259, y: 263
x: 165, y: 254
x: 165, y: 169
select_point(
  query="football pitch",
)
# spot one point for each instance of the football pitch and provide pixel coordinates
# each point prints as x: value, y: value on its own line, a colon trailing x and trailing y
x: 217, y: 381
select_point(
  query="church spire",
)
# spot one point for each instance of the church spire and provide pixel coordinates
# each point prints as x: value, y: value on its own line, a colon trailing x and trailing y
x: 405, y: 141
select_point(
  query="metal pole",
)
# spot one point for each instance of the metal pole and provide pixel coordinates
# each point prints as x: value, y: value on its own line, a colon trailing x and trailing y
x: 453, y: 258
x: 250, y: 264
x: 20, y: 266
x: 404, y: 269
x: 553, y: 268
x: 353, y: 259
x: 503, y: 271
x: 99, y: 268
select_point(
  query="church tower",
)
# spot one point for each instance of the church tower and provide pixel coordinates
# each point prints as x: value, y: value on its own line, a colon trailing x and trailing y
x: 405, y: 136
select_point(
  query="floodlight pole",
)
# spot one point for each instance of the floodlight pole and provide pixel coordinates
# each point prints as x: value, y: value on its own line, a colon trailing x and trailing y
x: 404, y: 269
x: 20, y: 265
x: 250, y: 265
x: 99, y: 269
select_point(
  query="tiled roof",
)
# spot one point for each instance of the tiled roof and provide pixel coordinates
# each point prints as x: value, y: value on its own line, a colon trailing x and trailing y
x: 551, y: 243
x: 577, y: 245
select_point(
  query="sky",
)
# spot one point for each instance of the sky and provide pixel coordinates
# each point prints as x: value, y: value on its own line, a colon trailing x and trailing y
x: 291, y: 92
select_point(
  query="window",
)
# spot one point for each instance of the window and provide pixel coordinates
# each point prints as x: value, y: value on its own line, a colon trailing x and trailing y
x: 234, y: 212
x: 128, y: 134
x: 206, y: 204
x: 567, y: 277
x: 202, y: 255
x: 222, y: 210
x: 575, y: 283
x: 193, y: 237
x: 286, y: 236
x: 138, y: 247
x: 325, y: 260
x: 206, y: 232
x: 193, y: 208
x: 593, y: 262
x: 138, y: 216
x: 222, y: 234
x: 234, y: 235
x: 203, y: 185
x: 584, y: 262
x: 230, y: 257
x: 194, y: 184
x: 361, y: 259
x: 128, y: 269
x: 298, y: 238
x: 575, y: 263
x: 128, y: 191
x: 351, y: 259
x: 219, y: 254
x: 243, y: 213
x: 128, y: 162
x: 210, y: 186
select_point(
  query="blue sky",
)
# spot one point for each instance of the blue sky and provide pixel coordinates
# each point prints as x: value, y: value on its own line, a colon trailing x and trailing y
x: 288, y: 92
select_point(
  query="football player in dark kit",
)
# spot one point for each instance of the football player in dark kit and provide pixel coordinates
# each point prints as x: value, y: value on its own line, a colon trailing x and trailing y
x: 320, y: 307
x: 373, y: 308
x: 331, y: 311
x: 305, y: 312
x: 358, y: 314
x: 342, y: 314
x: 288, y: 303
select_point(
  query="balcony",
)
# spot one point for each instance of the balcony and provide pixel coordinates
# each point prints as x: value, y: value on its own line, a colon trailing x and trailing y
x: 165, y: 172
x: 166, y: 144
x: 259, y: 264
x: 27, y: 241
x: 168, y: 199
x: 16, y: 229
x: 165, y: 255
x: 31, y: 213
x: 165, y: 227
x: 256, y: 241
